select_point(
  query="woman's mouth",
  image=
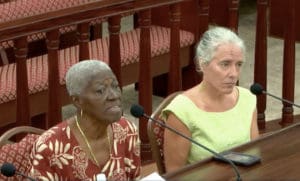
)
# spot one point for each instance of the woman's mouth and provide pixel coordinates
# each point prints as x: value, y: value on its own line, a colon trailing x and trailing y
x: 114, y: 109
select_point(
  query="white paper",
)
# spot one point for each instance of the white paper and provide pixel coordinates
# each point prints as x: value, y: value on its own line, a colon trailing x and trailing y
x: 153, y: 177
x: 101, y: 177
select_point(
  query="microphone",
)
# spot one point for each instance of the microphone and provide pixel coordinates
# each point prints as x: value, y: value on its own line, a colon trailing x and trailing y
x: 257, y: 89
x: 9, y: 170
x: 138, y: 111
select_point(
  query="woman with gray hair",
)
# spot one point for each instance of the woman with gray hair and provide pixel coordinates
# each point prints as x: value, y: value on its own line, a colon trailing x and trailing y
x: 97, y: 141
x: 216, y: 112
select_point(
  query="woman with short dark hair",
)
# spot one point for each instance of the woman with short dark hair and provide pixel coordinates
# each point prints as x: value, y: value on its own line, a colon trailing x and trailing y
x: 97, y: 140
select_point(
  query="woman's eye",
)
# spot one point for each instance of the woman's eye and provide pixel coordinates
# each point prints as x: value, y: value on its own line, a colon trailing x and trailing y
x: 240, y: 64
x: 115, y: 86
x: 100, y: 91
x: 224, y: 64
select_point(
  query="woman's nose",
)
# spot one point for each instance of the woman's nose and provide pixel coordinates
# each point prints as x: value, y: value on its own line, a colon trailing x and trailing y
x: 113, y: 93
x: 234, y: 71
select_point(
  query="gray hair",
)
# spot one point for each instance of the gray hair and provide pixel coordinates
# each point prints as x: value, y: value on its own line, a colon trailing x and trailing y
x: 211, y: 40
x: 81, y: 73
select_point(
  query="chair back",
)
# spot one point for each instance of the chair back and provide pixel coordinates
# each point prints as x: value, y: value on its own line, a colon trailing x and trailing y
x: 156, y: 133
x: 18, y: 153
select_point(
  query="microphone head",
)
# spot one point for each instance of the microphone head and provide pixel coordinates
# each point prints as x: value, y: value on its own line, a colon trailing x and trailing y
x: 256, y: 89
x: 137, y: 110
x: 8, y: 169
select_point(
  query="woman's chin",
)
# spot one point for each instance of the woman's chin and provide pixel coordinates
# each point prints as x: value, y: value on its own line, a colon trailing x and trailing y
x: 115, y: 117
x: 228, y: 90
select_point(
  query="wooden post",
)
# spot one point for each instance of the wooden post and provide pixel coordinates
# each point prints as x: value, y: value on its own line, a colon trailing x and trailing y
x: 83, y: 39
x: 54, y: 115
x: 203, y: 17
x: 145, y: 81
x: 114, y: 46
x: 233, y: 16
x: 174, y: 75
x: 288, y: 79
x: 260, y: 68
x: 23, y: 107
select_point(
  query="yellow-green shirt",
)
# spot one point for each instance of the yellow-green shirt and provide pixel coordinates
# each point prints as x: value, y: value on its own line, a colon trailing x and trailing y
x: 218, y: 131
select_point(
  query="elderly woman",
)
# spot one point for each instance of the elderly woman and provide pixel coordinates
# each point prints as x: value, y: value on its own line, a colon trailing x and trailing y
x: 216, y: 112
x: 97, y: 140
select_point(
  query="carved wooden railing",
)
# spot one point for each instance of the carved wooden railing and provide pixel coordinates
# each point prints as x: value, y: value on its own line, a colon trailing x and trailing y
x: 282, y: 24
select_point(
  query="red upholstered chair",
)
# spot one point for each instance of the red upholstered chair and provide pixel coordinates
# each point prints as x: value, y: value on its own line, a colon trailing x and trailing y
x: 18, y: 153
x: 156, y: 133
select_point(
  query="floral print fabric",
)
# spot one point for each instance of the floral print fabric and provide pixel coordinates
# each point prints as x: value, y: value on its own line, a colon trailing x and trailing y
x: 56, y: 155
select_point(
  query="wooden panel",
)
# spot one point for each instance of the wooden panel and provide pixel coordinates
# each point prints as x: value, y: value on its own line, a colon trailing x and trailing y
x: 218, y: 9
x: 161, y: 16
x: 278, y: 17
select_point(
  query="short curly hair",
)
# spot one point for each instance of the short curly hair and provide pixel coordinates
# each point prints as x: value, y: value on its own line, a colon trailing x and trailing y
x: 81, y: 73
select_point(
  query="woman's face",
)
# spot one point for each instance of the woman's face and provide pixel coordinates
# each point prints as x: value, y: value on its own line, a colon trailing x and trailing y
x: 101, y: 99
x: 223, y: 71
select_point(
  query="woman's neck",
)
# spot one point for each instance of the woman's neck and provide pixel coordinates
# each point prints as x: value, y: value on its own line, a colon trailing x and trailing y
x: 211, y: 93
x: 215, y: 101
x: 92, y: 128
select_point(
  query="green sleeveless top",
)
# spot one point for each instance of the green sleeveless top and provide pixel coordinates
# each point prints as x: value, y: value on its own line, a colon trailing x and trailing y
x: 218, y: 131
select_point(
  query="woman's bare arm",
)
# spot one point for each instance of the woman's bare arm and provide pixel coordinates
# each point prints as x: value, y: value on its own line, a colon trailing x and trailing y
x: 176, y: 148
x: 254, y: 127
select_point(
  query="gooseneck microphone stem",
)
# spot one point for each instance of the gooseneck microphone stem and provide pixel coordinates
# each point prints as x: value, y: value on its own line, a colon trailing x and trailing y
x: 25, y: 176
x: 281, y: 99
x: 198, y: 144
x: 258, y: 89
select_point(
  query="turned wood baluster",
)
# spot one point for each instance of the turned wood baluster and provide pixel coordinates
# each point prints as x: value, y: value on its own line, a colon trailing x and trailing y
x: 83, y: 39
x: 23, y: 107
x: 202, y: 26
x: 145, y: 80
x: 174, y: 75
x: 114, y: 46
x: 97, y: 31
x: 54, y: 115
x: 233, y: 16
x: 203, y: 17
x: 260, y: 67
x: 288, y: 79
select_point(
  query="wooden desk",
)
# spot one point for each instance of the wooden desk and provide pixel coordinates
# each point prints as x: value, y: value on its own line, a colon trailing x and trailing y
x: 280, y: 160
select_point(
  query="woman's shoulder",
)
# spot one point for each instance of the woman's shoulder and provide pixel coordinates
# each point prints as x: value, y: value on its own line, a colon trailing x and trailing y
x: 125, y: 123
x: 183, y: 101
x: 56, y: 132
x: 246, y: 98
x: 245, y: 92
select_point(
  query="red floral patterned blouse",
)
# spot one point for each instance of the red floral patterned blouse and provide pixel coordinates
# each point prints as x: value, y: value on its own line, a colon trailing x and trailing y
x: 56, y: 155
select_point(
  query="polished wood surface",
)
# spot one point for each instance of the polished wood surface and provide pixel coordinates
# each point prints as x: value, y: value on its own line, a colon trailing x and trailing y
x: 74, y: 15
x: 280, y: 160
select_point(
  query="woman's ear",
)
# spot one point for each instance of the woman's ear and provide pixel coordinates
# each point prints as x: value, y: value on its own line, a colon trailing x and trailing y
x: 201, y: 64
x: 76, y: 101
